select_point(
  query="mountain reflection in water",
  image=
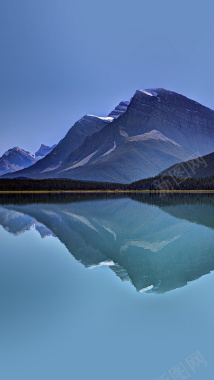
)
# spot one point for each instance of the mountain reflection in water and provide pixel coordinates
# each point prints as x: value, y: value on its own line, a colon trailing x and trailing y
x: 158, y: 243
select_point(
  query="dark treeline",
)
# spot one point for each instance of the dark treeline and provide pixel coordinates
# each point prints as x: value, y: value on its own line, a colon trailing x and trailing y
x: 55, y: 185
x: 172, y: 199
x: 152, y: 184
x: 155, y: 198
x: 172, y: 183
x: 25, y: 198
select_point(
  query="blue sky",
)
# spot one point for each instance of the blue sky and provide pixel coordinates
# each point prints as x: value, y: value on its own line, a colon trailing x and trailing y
x: 61, y: 59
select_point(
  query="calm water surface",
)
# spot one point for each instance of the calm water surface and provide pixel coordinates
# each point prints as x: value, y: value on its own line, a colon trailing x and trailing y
x: 116, y: 288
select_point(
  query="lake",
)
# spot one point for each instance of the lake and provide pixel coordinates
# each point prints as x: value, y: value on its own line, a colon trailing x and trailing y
x: 106, y: 287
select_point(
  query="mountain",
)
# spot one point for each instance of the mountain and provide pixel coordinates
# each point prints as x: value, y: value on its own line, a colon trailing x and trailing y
x: 158, y: 244
x: 141, y: 137
x: 43, y: 151
x: 200, y: 167
x: 116, y: 154
x: 134, y: 157
x: 17, y: 223
x: 15, y: 159
x: 84, y: 127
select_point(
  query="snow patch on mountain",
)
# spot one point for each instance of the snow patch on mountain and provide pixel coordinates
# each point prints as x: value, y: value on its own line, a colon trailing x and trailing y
x: 150, y: 92
x: 143, y: 290
x: 81, y: 219
x: 49, y: 169
x: 110, y: 231
x: 110, y: 150
x: 103, y: 263
x: 82, y: 162
x: 153, y: 247
x: 124, y: 134
x: 108, y: 119
x: 152, y: 135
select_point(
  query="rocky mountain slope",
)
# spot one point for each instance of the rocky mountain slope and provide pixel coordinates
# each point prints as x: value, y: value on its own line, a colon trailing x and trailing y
x: 124, y: 146
x: 154, y: 252
x: 15, y: 159
x: 84, y: 127
x: 138, y: 156
x: 200, y: 167
x: 43, y: 151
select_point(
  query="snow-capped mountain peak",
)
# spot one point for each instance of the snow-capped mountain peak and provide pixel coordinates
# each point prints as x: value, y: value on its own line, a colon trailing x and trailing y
x: 15, y: 159
x: 18, y: 150
x: 107, y: 119
x: 150, y: 92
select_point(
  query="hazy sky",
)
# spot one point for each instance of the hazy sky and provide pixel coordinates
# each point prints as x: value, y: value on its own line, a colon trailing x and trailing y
x: 61, y: 59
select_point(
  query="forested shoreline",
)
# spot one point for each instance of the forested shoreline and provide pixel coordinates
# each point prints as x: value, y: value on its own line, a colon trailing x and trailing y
x: 158, y: 183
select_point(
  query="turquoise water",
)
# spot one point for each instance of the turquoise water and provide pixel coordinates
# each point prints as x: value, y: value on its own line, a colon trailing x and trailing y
x: 113, y: 288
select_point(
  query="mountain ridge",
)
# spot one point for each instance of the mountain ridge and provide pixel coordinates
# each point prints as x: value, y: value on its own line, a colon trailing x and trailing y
x: 180, y: 119
x: 73, y: 138
x: 43, y: 151
x: 16, y: 159
x: 199, y: 167
x: 110, y: 165
x: 131, y: 248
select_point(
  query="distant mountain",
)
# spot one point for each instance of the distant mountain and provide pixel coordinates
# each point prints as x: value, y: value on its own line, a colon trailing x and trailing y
x: 141, y: 137
x: 15, y: 159
x: 43, y: 151
x: 200, y: 167
x: 17, y: 223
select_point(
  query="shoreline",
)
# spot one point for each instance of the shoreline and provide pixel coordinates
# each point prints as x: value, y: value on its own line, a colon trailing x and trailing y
x: 103, y: 191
